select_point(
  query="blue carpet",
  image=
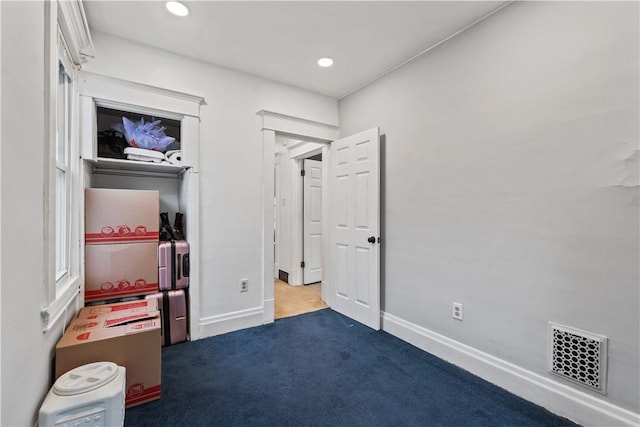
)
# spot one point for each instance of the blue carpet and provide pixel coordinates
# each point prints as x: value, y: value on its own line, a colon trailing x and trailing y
x: 324, y: 369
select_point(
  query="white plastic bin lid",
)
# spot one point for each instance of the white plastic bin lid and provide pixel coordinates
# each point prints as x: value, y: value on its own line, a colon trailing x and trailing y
x: 85, y: 378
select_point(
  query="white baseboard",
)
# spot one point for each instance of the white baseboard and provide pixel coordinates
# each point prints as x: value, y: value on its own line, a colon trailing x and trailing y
x: 229, y: 322
x: 269, y: 314
x: 558, y: 398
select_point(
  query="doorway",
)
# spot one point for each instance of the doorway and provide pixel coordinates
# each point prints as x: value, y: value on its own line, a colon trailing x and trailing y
x: 350, y: 246
x: 298, y: 225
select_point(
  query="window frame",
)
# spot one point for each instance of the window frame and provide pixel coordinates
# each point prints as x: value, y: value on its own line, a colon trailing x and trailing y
x: 61, y: 286
x: 64, y: 119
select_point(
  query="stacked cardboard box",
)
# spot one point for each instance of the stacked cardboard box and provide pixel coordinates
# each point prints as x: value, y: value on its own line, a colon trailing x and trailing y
x: 121, y: 243
x: 127, y: 334
x: 121, y: 246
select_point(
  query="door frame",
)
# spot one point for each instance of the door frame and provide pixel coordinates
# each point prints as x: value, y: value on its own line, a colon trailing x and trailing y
x: 276, y: 217
x: 296, y: 157
x: 298, y: 211
x: 301, y: 219
x: 296, y: 127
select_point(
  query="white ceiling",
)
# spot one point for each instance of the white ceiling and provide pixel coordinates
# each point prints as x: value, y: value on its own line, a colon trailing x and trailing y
x: 281, y: 40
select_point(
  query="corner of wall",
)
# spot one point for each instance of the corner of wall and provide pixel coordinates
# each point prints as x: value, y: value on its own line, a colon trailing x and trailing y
x: 552, y: 395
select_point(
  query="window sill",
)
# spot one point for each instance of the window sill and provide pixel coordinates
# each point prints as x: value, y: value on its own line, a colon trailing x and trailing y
x: 51, y: 313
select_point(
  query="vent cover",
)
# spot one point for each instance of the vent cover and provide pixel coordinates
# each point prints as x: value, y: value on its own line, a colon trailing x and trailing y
x: 579, y: 356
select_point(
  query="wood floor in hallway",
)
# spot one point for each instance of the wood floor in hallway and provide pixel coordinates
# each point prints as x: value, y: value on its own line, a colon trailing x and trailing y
x: 294, y: 300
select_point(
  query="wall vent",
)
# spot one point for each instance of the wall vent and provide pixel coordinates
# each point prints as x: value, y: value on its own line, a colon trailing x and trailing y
x: 578, y: 356
x: 283, y: 275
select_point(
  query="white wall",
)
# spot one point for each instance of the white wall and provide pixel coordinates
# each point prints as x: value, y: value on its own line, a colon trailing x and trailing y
x: 27, y: 353
x: 0, y: 220
x: 230, y: 163
x: 285, y: 205
x: 511, y: 183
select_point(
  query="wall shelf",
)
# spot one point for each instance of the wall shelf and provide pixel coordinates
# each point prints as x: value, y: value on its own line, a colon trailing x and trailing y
x: 104, y: 164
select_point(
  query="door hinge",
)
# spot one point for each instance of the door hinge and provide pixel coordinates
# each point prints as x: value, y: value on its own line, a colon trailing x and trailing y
x: 302, y: 172
x: 301, y: 264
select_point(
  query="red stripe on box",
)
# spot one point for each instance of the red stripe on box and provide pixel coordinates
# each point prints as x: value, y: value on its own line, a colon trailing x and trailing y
x: 130, y: 402
x: 147, y: 394
x: 118, y: 320
x: 99, y: 294
x: 150, y: 236
x: 122, y: 306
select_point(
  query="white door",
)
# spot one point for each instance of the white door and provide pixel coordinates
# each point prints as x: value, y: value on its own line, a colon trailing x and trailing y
x: 312, y: 220
x: 354, y: 227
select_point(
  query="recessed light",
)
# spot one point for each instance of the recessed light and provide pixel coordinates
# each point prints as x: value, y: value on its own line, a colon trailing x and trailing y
x: 325, y: 62
x: 177, y: 8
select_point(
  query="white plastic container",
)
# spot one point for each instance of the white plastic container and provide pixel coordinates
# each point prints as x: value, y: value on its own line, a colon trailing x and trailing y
x: 143, y: 155
x: 89, y: 395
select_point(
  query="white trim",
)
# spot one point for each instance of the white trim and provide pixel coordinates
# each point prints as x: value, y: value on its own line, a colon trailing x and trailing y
x: 269, y: 312
x: 189, y: 202
x: 0, y: 217
x: 556, y: 397
x: 326, y: 161
x: 49, y: 190
x: 290, y: 125
x: 277, y: 212
x: 51, y: 313
x: 74, y: 26
x: 273, y: 122
x: 106, y: 103
x: 55, y: 304
x: 305, y: 150
x: 229, y: 322
x: 67, y: 136
x: 268, y: 191
x: 296, y: 276
x: 190, y: 131
x: 141, y: 95
x: 294, y: 144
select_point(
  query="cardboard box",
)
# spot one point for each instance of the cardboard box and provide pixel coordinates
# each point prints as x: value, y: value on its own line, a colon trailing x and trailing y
x: 120, y: 270
x: 100, y: 322
x: 118, y: 309
x: 121, y: 216
x: 136, y: 346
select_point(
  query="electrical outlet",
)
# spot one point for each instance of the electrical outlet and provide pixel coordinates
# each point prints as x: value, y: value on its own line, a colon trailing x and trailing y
x: 244, y: 285
x: 457, y: 311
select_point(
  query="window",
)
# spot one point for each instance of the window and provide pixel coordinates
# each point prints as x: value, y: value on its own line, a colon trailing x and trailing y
x: 63, y: 187
x: 63, y: 195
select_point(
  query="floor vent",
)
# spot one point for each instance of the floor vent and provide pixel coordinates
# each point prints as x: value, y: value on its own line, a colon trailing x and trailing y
x: 579, y: 356
x: 283, y: 275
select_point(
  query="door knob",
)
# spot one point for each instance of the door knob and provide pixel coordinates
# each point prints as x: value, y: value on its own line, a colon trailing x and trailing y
x: 371, y: 239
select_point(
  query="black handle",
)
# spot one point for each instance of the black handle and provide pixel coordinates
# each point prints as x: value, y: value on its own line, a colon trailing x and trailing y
x: 185, y: 265
x: 371, y: 239
x: 165, y: 226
